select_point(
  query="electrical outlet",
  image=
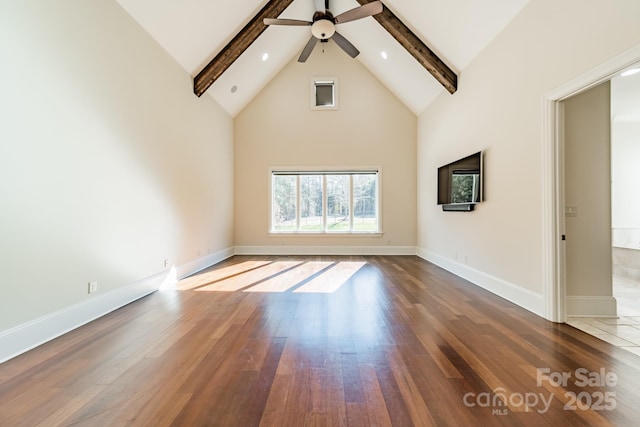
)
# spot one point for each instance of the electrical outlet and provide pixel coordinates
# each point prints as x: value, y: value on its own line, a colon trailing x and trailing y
x: 571, y: 211
x: 166, y: 263
x: 93, y: 287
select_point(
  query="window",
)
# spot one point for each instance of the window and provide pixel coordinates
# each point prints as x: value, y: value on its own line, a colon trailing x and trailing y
x: 325, y: 201
x: 324, y: 93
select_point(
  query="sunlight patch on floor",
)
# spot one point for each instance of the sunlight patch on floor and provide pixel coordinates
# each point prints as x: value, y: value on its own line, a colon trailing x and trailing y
x: 331, y: 280
x: 289, y: 279
x: 237, y: 282
x: 218, y: 274
x: 274, y: 276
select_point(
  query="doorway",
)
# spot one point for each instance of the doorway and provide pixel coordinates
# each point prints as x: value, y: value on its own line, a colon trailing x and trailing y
x: 602, y: 258
x: 553, y: 207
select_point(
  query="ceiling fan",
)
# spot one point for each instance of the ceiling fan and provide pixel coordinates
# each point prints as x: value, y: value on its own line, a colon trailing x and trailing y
x: 323, y: 25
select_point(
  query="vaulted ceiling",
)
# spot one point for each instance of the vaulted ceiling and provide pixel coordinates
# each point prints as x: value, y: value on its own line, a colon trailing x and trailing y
x: 194, y: 32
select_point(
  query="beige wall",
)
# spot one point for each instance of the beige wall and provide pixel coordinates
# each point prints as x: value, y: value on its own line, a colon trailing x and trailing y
x: 498, y: 108
x: 587, y: 175
x: 109, y: 163
x: 370, y: 128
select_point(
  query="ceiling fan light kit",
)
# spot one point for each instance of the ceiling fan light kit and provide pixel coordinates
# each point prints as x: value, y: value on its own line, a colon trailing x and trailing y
x: 323, y: 26
x: 323, y: 29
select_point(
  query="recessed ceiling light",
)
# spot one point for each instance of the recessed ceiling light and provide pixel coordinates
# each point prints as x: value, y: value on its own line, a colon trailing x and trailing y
x: 630, y: 72
x: 234, y: 89
x: 265, y: 56
x: 384, y: 55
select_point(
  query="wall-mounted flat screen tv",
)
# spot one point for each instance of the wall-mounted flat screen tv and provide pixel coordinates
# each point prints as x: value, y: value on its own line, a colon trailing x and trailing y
x: 460, y: 183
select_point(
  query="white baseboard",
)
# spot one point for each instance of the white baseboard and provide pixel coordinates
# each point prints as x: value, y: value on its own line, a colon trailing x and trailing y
x: 525, y: 298
x: 591, y: 306
x: 24, y: 337
x: 325, y: 250
x: 27, y: 336
x: 200, y: 264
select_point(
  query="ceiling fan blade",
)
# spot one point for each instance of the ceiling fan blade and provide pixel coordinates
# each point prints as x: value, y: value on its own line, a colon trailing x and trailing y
x: 296, y: 22
x: 368, y: 9
x: 308, y: 49
x: 345, y: 44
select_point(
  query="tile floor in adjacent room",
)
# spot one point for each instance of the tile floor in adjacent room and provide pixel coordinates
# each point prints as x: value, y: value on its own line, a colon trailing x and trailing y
x: 622, y: 331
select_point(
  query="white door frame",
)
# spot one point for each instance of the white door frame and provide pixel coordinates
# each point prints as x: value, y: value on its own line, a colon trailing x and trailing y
x: 553, y: 266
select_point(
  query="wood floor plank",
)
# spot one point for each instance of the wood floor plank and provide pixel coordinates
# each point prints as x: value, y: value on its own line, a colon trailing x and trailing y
x: 71, y: 406
x: 418, y: 410
x: 319, y: 340
x: 279, y: 393
x: 375, y: 406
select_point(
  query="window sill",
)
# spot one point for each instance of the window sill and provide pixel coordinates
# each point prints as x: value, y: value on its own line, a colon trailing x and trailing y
x: 323, y: 234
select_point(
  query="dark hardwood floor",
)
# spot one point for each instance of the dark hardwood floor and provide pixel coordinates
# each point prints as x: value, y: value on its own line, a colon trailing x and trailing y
x: 323, y: 341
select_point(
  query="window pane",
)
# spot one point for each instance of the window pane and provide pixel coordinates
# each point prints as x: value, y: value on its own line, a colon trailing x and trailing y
x: 310, y: 203
x: 284, y: 202
x: 338, y: 202
x: 321, y: 202
x: 364, y: 203
x: 324, y: 94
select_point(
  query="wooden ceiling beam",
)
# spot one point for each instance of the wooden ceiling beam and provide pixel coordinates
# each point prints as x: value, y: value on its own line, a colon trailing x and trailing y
x: 425, y: 56
x: 389, y: 21
x: 237, y: 46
